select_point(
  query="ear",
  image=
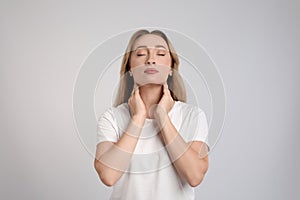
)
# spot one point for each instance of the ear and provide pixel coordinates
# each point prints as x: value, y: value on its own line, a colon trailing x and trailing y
x: 171, y: 72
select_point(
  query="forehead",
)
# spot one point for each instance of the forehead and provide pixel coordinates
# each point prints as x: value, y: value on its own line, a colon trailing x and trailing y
x: 150, y: 41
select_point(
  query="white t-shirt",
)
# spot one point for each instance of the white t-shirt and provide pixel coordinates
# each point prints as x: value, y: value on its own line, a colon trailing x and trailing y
x: 151, y: 174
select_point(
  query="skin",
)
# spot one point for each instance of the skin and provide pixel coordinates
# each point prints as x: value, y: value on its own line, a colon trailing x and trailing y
x: 150, y: 50
x: 190, y: 166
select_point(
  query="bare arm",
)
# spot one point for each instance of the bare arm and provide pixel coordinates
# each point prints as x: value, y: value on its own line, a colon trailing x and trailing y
x: 112, y: 159
x: 189, y: 159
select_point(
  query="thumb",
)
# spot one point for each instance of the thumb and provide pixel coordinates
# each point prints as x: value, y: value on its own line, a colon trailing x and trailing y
x: 166, y: 87
x: 135, y: 86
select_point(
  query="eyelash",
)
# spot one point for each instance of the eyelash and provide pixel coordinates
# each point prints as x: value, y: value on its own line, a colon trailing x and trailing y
x: 160, y: 54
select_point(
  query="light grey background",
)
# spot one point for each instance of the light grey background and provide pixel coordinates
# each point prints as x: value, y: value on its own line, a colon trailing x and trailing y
x: 255, y: 45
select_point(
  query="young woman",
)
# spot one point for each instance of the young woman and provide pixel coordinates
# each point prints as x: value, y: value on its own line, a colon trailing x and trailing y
x: 151, y: 145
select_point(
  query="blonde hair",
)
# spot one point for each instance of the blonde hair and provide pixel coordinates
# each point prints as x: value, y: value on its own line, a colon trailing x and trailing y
x: 175, y: 82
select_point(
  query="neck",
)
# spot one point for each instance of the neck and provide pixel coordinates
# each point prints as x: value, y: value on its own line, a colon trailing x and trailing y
x: 151, y: 94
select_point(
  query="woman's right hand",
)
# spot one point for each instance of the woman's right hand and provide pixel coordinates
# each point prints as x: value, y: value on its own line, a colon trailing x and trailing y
x: 136, y: 104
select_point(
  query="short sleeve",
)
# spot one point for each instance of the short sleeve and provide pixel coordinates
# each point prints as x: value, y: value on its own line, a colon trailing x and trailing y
x: 106, y: 128
x: 202, y: 128
x: 195, y: 126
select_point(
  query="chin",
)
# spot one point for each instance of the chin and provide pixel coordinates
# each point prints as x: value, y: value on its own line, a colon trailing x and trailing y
x: 152, y: 84
x: 152, y: 81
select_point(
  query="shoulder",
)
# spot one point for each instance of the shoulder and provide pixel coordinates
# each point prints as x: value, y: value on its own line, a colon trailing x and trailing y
x: 113, y: 113
x: 186, y: 108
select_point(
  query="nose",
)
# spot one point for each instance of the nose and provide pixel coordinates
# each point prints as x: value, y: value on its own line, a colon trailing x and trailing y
x: 150, y: 60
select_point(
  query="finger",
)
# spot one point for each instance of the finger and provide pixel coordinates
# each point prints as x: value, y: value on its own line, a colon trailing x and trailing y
x: 137, y: 92
x: 166, y: 85
x: 135, y: 86
x: 129, y: 100
x: 166, y: 88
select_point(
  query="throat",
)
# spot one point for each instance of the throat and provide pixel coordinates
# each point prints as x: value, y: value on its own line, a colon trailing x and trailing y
x: 151, y: 95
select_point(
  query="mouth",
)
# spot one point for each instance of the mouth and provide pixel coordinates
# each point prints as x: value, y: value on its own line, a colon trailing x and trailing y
x: 151, y: 71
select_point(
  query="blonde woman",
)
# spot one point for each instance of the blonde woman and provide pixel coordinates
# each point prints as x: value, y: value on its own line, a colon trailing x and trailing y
x: 152, y: 144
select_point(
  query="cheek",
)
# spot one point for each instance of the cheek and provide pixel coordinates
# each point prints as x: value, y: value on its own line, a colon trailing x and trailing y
x: 166, y: 61
x: 136, y: 61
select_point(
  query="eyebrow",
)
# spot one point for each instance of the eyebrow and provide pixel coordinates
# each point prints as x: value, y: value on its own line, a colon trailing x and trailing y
x: 157, y: 46
x: 160, y: 46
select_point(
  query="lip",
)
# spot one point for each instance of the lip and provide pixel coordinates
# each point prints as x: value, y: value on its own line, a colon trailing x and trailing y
x: 151, y: 71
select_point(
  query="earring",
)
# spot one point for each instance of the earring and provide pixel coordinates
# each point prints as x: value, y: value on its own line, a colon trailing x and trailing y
x: 130, y: 73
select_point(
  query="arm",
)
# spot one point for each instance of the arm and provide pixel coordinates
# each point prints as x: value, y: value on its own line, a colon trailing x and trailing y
x: 186, y: 157
x: 112, y: 159
x: 189, y: 159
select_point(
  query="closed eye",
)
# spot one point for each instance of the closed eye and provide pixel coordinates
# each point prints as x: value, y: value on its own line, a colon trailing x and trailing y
x: 161, y: 52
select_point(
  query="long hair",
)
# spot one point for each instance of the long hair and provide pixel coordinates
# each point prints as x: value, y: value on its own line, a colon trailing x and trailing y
x: 175, y: 82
